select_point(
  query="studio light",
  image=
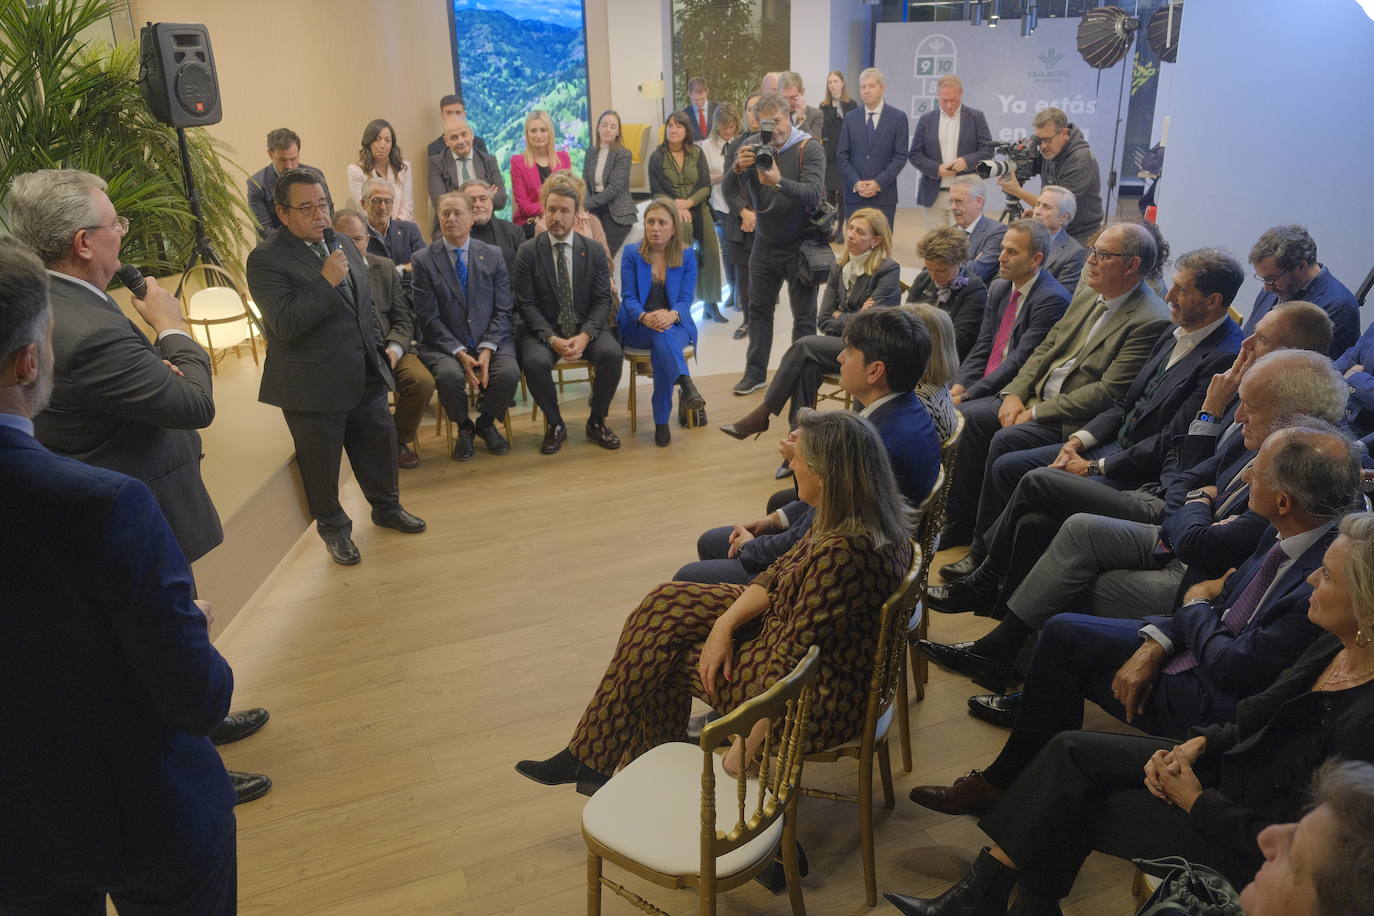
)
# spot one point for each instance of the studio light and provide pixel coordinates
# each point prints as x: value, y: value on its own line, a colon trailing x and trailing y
x: 996, y: 14
x: 1030, y: 18
x: 975, y: 13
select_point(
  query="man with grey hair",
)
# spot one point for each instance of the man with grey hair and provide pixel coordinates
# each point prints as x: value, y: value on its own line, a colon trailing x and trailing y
x: 1055, y: 208
x: 111, y: 683
x: 1065, y: 159
x: 397, y: 240
x: 1285, y: 262
x: 966, y: 197
x: 120, y: 402
x: 768, y: 85
x: 872, y: 149
x: 949, y: 140
x: 804, y: 116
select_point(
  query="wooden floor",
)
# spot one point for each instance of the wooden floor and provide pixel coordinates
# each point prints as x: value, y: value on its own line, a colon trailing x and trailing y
x: 403, y: 690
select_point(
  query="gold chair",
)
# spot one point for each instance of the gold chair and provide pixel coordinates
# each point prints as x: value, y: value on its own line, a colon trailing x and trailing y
x: 836, y: 394
x: 443, y: 423
x: 889, y: 668
x: 673, y: 816
x: 641, y: 364
x: 220, y: 305
x: 563, y: 365
x: 931, y: 506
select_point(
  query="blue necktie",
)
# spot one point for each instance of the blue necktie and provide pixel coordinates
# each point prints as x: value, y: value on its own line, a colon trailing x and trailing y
x: 872, y: 126
x: 461, y: 265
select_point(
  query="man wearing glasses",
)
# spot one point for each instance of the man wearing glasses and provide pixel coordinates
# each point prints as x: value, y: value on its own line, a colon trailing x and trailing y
x: 1066, y: 160
x: 393, y: 239
x: 326, y: 367
x: 120, y: 402
x: 1285, y: 262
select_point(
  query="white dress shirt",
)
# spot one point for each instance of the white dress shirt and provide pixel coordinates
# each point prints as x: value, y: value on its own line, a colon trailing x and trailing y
x: 949, y: 135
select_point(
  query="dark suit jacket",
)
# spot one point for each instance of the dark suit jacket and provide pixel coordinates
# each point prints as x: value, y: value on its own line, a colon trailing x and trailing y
x: 391, y: 302
x: 450, y: 318
x: 535, y: 285
x: 615, y: 199
x: 975, y: 144
x: 505, y: 235
x: 984, y: 247
x: 1045, y: 304
x: 402, y: 240
x: 965, y: 306
x: 1105, y: 367
x: 1189, y: 529
x: 690, y: 113
x: 883, y: 286
x: 1236, y: 665
x: 811, y: 121
x: 1332, y: 296
x: 109, y: 679
x: 444, y: 177
x: 261, y: 186
x: 1167, y: 410
x: 115, y: 405
x: 1065, y: 260
x: 735, y: 199
x: 881, y: 161
x: 320, y: 342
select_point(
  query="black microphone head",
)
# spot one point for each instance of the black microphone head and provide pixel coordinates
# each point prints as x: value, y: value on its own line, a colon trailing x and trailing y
x: 132, y: 278
x: 331, y: 239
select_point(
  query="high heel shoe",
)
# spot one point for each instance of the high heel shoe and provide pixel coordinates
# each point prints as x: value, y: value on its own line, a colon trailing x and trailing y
x: 560, y: 769
x: 754, y: 423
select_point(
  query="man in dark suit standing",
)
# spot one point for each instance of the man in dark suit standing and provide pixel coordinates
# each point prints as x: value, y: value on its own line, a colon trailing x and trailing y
x: 1055, y: 207
x: 110, y: 680
x: 701, y: 113
x: 563, y: 292
x: 463, y: 306
x: 284, y: 149
x: 396, y: 318
x: 462, y: 162
x: 326, y: 367
x: 397, y: 240
x: 451, y: 108
x: 872, y: 150
x: 947, y: 143
x: 490, y: 228
x: 120, y: 402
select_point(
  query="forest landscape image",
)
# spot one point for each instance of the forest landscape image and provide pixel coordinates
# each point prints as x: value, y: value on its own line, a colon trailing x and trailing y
x: 515, y: 56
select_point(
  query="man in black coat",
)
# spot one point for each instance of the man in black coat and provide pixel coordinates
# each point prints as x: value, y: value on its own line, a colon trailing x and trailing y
x: 284, y: 151
x: 460, y: 162
x: 325, y: 367
x: 490, y: 228
x: 1065, y: 160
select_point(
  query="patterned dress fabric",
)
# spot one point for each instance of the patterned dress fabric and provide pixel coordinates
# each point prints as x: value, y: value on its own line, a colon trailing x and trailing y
x: 826, y: 591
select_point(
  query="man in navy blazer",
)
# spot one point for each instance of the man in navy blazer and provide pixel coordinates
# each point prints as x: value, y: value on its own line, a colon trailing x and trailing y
x: 108, y: 784
x: 885, y: 355
x: 464, y: 311
x: 966, y: 199
x: 397, y: 240
x: 947, y: 143
x: 872, y: 150
x: 1285, y: 261
x: 284, y: 149
x: 1055, y: 207
x: 700, y: 113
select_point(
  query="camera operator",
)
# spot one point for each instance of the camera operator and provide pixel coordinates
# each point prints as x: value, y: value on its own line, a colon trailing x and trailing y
x: 780, y: 174
x: 1067, y: 161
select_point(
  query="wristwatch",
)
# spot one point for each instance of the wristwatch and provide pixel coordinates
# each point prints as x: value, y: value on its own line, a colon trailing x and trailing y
x: 1199, y: 493
x: 1095, y: 467
x: 1205, y: 417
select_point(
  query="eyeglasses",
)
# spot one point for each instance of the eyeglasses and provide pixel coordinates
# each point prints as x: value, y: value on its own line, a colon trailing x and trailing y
x: 1101, y: 255
x: 378, y: 200
x: 310, y: 209
x: 120, y: 226
x: 1272, y: 281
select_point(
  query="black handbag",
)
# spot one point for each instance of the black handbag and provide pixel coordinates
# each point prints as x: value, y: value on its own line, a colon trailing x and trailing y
x: 815, y: 261
x: 1188, y: 890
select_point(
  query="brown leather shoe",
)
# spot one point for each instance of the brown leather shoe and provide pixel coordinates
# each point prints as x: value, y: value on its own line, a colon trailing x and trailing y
x: 554, y: 436
x: 970, y: 794
x: 407, y: 457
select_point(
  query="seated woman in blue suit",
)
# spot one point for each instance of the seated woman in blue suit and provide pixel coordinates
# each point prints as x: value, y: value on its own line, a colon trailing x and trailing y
x: 658, y: 281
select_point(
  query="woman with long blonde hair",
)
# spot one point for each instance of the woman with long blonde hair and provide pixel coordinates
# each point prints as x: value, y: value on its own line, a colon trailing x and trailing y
x: 531, y: 168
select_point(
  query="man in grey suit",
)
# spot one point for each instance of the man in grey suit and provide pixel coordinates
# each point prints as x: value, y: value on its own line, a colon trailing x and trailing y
x: 464, y: 309
x: 326, y: 367
x: 119, y: 402
x: 1055, y: 208
x: 461, y: 162
x: 966, y: 198
x: 804, y: 116
x: 284, y: 151
x: 946, y: 143
x: 701, y: 113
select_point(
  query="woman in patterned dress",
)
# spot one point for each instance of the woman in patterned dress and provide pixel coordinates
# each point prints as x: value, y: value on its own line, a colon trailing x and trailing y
x: 726, y: 644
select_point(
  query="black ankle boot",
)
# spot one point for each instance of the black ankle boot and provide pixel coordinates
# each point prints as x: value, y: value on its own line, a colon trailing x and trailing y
x: 561, y: 769
x: 982, y: 892
x: 690, y: 397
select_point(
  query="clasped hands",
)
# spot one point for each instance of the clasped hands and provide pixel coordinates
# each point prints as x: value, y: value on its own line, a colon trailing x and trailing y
x: 1169, y: 774
x: 660, y: 319
x: 570, y: 347
x: 1013, y: 412
x: 1069, y: 458
x: 477, y: 370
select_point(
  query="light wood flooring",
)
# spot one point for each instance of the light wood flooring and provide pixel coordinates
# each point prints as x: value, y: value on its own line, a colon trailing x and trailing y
x: 403, y: 690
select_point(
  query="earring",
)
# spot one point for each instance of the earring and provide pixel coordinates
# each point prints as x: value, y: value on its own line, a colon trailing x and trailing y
x: 1361, y: 639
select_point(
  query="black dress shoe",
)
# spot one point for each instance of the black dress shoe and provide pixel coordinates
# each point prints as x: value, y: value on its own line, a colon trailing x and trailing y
x: 960, y: 658
x: 662, y: 434
x: 560, y: 769
x: 974, y: 592
x: 995, y: 708
x: 982, y: 892
x: 400, y: 520
x: 463, y: 449
x: 953, y: 572
x: 249, y: 786
x: 239, y: 725
x: 555, y: 434
x: 741, y: 332
x: 496, y: 443
x: 970, y: 794
x: 343, y: 551
x: 600, y: 433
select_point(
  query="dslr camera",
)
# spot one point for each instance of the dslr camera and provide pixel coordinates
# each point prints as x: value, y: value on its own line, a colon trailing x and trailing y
x: 763, y: 153
x: 1021, y: 157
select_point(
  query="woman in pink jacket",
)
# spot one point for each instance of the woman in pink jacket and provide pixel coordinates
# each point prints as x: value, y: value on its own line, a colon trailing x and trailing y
x: 529, y: 169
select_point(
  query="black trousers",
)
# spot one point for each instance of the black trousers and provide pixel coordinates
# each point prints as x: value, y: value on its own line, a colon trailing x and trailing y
x: 1085, y: 791
x: 799, y: 374
x: 740, y: 255
x: 615, y: 233
x: 368, y: 434
x: 603, y: 353
x: 769, y: 269
x: 983, y: 442
x: 503, y: 377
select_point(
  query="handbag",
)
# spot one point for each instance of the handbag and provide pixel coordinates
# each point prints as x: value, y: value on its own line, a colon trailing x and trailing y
x: 815, y: 261
x: 1188, y: 890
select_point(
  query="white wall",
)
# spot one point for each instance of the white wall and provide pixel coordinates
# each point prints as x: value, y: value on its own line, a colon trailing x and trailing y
x: 831, y: 35
x: 1270, y: 124
x: 636, y: 31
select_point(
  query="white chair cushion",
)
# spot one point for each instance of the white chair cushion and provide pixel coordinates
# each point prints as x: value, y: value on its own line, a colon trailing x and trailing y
x: 879, y: 732
x: 650, y: 812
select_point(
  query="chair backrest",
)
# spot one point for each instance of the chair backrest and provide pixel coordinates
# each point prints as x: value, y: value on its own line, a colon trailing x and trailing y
x: 632, y: 135
x: 890, y: 651
x: 788, y: 701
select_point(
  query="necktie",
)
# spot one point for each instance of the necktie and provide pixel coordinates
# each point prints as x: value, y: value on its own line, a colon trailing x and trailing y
x: 321, y: 249
x: 701, y: 121
x: 467, y: 173
x: 999, y: 343
x: 460, y: 264
x: 1123, y: 438
x: 872, y: 126
x: 567, y: 318
x: 1239, y: 613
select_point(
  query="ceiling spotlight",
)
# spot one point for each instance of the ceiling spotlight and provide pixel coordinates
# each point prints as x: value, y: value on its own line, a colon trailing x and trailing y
x: 995, y: 14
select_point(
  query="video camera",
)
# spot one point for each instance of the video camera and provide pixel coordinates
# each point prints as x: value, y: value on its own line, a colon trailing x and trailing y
x: 1021, y: 157
x: 763, y: 153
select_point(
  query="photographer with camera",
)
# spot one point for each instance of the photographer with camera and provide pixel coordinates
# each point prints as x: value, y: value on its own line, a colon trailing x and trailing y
x: 780, y: 174
x: 1065, y: 160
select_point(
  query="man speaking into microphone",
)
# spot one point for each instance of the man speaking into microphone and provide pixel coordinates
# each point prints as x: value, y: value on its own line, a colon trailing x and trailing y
x: 326, y: 366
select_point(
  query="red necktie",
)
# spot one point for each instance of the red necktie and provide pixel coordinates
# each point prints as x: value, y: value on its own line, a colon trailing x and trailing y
x: 999, y: 343
x: 701, y: 121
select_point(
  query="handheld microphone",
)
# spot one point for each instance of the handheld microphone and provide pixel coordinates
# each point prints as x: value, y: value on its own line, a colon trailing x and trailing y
x: 130, y: 276
x: 331, y: 239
